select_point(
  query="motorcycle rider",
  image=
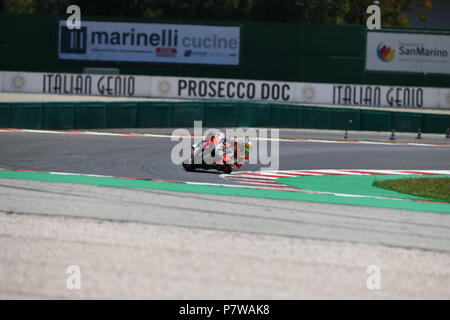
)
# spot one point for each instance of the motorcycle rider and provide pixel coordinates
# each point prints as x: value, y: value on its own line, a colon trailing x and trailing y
x: 225, y: 152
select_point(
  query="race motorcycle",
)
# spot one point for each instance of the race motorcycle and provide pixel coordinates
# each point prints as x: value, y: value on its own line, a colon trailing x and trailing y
x: 218, y: 152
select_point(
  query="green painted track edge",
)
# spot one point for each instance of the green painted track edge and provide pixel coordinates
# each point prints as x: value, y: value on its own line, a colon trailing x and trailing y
x: 226, y: 191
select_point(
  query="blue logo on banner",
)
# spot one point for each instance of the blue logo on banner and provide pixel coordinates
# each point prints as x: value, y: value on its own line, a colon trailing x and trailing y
x: 73, y: 41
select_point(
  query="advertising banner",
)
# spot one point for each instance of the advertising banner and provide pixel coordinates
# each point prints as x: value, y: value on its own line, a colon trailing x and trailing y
x: 304, y: 92
x: 223, y: 89
x: 77, y: 84
x: 406, y: 52
x: 118, y: 85
x: 146, y: 42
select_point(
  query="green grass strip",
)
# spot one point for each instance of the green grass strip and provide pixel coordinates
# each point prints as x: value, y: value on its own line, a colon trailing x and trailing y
x: 229, y: 191
x: 349, y: 184
x: 430, y: 187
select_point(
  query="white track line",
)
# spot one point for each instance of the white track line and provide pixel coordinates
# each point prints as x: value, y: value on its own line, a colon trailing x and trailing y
x: 118, y: 134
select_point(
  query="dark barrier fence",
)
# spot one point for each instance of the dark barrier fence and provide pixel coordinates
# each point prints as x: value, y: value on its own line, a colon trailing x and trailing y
x: 174, y: 114
x: 269, y: 51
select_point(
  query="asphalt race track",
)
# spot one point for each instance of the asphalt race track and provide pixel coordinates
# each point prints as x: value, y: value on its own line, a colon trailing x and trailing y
x: 149, y: 157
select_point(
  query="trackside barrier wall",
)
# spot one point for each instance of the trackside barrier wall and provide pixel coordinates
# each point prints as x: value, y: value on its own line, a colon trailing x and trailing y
x: 174, y: 114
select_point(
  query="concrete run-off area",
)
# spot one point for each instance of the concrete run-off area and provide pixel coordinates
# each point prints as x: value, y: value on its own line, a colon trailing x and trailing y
x: 131, y: 260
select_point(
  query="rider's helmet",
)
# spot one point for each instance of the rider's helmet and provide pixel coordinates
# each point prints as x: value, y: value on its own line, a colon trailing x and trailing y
x: 244, y: 149
x: 248, y: 146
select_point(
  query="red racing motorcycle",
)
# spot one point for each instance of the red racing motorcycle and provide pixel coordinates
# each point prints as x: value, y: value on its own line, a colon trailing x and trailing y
x: 220, y: 153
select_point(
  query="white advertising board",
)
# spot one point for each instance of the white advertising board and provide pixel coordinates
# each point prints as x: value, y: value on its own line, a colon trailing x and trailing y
x: 147, y: 42
x: 406, y: 52
x: 223, y: 89
x: 319, y: 93
x: 226, y: 89
x: 77, y: 84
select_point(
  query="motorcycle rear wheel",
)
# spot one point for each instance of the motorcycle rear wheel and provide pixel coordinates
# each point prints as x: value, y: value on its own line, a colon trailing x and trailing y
x: 188, y: 166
